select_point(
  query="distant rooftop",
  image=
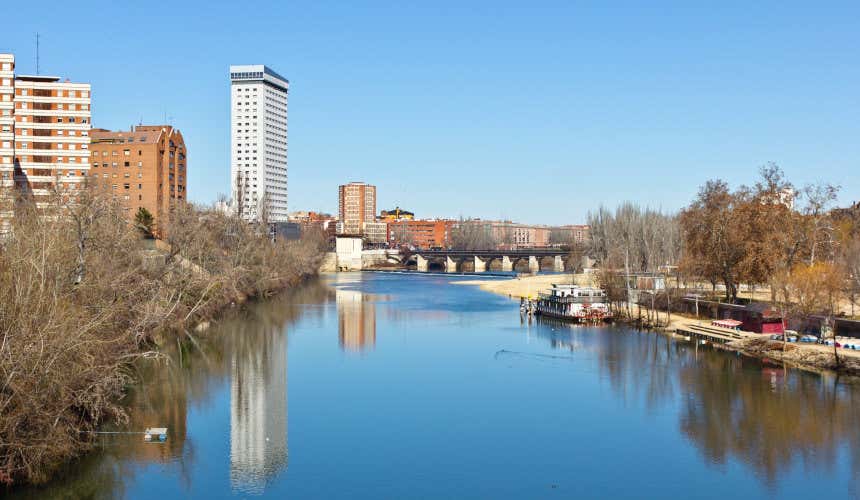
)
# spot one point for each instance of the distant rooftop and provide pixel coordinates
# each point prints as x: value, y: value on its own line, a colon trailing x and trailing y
x: 145, y: 134
x: 254, y: 71
x: 37, y: 78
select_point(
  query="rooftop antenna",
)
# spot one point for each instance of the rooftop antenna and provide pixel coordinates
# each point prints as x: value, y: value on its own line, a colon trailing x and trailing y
x: 37, y: 53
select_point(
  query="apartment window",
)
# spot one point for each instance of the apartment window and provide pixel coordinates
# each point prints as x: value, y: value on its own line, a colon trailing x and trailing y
x: 114, y: 153
x: 126, y: 152
x: 126, y: 186
x: 127, y: 175
x: 140, y: 186
x: 140, y: 164
x: 125, y: 164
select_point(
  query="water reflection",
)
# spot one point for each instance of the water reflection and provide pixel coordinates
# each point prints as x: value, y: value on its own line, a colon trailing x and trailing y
x: 356, y: 320
x: 698, y: 415
x: 258, y: 409
x: 769, y: 418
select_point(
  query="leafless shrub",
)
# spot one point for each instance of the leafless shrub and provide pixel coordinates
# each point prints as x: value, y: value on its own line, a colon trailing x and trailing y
x: 83, y: 297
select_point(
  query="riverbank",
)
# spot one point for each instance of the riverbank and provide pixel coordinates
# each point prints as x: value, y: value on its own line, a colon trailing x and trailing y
x: 85, y: 296
x: 810, y: 357
x: 528, y: 286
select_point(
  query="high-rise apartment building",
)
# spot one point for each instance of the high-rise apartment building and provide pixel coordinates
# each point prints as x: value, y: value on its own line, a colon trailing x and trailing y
x: 356, y: 206
x: 47, y: 130
x: 145, y: 167
x: 7, y: 137
x: 258, y: 142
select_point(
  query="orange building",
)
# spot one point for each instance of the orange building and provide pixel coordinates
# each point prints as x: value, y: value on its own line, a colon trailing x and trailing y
x: 356, y: 206
x: 144, y: 168
x: 420, y: 233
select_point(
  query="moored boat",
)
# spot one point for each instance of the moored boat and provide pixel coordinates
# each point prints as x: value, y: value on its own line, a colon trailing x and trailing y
x: 574, y: 303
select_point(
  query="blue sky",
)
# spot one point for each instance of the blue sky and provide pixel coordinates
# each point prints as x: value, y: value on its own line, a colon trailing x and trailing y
x: 534, y: 111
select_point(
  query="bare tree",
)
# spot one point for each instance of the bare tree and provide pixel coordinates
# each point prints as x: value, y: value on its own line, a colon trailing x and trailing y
x: 472, y: 234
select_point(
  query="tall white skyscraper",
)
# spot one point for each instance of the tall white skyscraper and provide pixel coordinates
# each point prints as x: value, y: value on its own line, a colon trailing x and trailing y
x: 258, y: 142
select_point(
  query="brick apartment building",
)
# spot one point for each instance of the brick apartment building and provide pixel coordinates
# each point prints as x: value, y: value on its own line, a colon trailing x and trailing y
x: 44, y: 129
x: 356, y: 206
x: 145, y: 167
x: 420, y: 233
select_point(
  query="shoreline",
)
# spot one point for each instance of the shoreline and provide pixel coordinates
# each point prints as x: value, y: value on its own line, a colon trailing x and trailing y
x: 813, y: 358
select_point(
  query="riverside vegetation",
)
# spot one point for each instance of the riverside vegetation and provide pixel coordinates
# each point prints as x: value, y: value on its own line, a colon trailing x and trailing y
x: 85, y: 295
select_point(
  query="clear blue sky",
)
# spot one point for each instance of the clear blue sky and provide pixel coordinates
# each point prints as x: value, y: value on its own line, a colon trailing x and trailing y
x: 535, y: 111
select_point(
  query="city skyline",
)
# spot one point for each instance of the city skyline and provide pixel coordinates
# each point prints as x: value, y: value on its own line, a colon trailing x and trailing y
x: 626, y: 102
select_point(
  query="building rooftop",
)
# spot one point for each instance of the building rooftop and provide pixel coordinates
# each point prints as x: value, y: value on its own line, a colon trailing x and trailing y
x: 37, y: 78
x: 258, y: 73
x: 142, y: 134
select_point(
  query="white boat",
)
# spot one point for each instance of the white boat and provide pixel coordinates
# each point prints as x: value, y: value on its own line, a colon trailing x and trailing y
x: 574, y: 303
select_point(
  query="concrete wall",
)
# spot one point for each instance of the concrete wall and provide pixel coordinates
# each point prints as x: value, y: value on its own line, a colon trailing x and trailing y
x: 348, y: 251
x: 378, y: 258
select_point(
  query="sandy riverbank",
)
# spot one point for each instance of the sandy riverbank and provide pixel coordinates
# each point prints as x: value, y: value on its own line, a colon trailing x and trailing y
x: 528, y: 286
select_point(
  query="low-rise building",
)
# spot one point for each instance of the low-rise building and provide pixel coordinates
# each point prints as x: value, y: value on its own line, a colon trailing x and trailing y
x: 375, y: 233
x: 420, y: 233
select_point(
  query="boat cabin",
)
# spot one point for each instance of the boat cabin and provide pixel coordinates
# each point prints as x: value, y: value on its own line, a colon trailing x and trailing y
x: 576, y: 291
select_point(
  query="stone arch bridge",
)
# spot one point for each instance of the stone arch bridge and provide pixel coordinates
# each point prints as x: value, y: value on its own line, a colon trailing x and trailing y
x: 452, y: 260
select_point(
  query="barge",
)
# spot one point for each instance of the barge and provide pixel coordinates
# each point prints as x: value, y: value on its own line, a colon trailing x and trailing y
x: 574, y: 303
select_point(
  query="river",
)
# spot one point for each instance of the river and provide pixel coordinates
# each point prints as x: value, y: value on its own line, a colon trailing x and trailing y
x: 409, y: 386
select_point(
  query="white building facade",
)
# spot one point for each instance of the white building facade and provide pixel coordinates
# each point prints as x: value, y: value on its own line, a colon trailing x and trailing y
x: 258, y: 143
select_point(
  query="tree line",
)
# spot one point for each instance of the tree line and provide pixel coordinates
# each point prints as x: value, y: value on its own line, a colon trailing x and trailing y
x: 770, y: 235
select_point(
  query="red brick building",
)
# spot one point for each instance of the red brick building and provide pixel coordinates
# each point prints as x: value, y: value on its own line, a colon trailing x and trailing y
x: 420, y: 233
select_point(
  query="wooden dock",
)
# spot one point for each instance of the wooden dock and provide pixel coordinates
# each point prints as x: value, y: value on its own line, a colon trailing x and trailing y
x: 715, y: 334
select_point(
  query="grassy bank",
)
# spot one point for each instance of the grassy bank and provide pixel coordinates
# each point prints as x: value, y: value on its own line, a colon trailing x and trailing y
x: 84, y: 295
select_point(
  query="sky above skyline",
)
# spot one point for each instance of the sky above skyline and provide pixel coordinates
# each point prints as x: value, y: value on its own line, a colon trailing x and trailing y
x: 536, y: 112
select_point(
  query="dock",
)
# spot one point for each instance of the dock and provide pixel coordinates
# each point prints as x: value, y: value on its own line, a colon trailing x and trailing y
x: 714, y: 334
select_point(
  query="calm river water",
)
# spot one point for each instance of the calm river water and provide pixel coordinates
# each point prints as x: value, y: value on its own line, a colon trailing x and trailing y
x: 409, y: 386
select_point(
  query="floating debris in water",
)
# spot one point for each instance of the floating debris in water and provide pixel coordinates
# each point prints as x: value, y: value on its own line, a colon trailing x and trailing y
x: 158, y: 434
